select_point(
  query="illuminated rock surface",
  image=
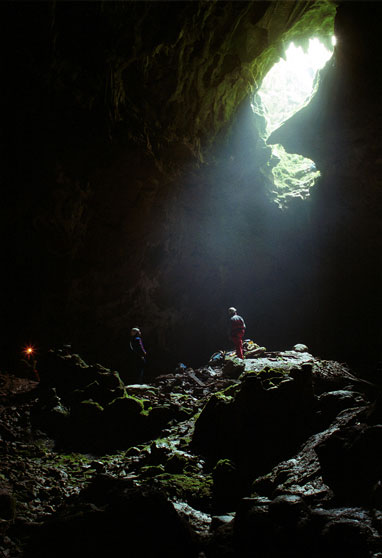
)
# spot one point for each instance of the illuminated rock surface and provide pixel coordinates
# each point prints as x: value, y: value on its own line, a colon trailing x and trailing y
x: 287, y: 88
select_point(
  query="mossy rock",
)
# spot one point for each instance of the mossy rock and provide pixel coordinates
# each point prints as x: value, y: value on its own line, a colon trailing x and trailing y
x: 7, y: 504
x: 109, y: 379
x: 65, y: 372
x: 123, y: 423
x: 194, y: 489
x: 158, y: 452
x: 52, y: 419
x: 92, y: 406
x: 184, y: 413
x: 184, y: 442
x: 97, y: 391
x: 78, y: 395
x: 233, y: 368
x: 87, y: 415
x: 223, y: 467
x: 93, y: 391
x: 229, y: 392
x: 269, y: 377
x: 227, y: 486
x: 178, y: 462
x: 147, y: 405
x: 214, y: 426
x: 152, y: 470
x: 122, y: 407
x: 159, y: 417
x: 134, y: 450
x: 268, y: 372
x: 83, y: 427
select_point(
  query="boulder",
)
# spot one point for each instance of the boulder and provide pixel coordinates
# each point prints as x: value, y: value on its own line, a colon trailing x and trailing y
x: 85, y: 418
x: 257, y: 422
x: 350, y: 462
x: 160, y: 416
x: 333, y: 402
x: 50, y: 415
x: 7, y: 503
x: 233, y: 368
x: 300, y: 348
x: 286, y: 526
x: 87, y: 407
x: 124, y: 422
x: 74, y: 379
x: 114, y: 518
x: 329, y: 375
x: 226, y: 485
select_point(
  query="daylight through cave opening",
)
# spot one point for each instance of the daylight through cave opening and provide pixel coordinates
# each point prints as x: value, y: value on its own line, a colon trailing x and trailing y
x: 288, y: 87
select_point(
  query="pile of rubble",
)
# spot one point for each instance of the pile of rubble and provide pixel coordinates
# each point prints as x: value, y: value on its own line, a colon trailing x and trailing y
x: 275, y: 453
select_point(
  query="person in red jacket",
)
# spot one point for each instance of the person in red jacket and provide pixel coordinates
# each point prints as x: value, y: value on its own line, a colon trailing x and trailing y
x: 237, y: 331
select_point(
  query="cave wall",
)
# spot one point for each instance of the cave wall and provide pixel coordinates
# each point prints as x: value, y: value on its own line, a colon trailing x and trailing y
x: 133, y: 191
x: 340, y: 131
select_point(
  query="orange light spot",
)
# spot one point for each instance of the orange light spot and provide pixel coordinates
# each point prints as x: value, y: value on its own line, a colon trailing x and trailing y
x: 28, y: 351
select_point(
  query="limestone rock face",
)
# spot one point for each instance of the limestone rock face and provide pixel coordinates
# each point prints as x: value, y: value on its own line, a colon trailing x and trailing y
x: 259, y: 422
x: 340, y: 132
x: 356, y: 474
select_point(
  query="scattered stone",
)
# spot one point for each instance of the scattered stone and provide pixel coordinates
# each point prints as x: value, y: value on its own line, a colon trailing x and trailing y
x: 201, y: 445
x: 143, y: 521
x: 233, y: 368
x: 255, y: 353
x: 333, y: 402
x: 7, y: 504
x: 300, y: 348
x: 220, y: 520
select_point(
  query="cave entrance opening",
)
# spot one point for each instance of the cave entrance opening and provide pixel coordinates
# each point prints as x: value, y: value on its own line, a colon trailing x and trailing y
x: 288, y: 87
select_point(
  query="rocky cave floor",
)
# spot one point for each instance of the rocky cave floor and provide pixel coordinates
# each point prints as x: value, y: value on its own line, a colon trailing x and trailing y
x: 276, y: 455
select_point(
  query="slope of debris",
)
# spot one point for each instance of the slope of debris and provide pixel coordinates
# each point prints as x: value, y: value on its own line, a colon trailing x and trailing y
x: 198, y: 460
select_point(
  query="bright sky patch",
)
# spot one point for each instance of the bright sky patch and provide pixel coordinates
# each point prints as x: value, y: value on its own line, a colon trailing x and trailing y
x: 286, y: 89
